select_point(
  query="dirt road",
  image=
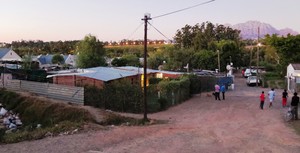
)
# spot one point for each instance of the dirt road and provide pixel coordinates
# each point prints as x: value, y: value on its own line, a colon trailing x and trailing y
x: 200, y: 125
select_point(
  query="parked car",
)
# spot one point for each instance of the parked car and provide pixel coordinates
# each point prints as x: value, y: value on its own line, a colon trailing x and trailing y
x: 251, y: 80
x: 250, y: 72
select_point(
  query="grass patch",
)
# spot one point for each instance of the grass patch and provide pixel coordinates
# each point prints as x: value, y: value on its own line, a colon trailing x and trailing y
x: 273, y: 80
x: 53, y: 117
x: 28, y: 133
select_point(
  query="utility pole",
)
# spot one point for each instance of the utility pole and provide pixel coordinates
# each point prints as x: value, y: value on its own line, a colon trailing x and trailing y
x: 146, y: 18
x: 258, y: 44
x: 219, y: 61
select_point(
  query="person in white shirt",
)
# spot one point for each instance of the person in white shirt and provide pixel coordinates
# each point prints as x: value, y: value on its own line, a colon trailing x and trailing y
x: 271, y: 95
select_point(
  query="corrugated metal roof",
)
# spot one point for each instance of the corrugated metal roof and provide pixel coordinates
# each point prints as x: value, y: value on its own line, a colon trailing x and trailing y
x: 141, y: 70
x: 107, y: 73
x: 4, y: 51
x: 112, y: 73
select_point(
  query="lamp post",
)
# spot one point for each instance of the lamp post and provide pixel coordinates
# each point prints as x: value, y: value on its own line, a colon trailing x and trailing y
x: 257, y: 76
x: 219, y: 60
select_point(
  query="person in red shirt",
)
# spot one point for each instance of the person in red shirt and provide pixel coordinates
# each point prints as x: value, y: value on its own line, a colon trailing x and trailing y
x: 262, y: 99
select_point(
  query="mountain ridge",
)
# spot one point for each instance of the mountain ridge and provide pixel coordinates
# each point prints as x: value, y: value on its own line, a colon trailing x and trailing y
x: 249, y: 29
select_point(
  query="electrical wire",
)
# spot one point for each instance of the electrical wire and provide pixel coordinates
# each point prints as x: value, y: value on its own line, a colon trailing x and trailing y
x: 135, y: 31
x: 183, y: 9
x: 159, y: 32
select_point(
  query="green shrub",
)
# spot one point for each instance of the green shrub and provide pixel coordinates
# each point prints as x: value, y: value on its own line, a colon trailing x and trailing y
x: 117, y: 96
x: 154, y: 80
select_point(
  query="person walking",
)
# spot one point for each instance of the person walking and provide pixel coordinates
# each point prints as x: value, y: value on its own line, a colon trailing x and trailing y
x: 294, y: 104
x: 217, y: 92
x: 271, y: 95
x: 223, y: 90
x: 284, y: 98
x: 262, y: 100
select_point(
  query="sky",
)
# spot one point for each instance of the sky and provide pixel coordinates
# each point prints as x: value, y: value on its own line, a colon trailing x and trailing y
x: 114, y: 20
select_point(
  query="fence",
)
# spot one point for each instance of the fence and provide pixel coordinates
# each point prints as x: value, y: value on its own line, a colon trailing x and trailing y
x: 54, y: 91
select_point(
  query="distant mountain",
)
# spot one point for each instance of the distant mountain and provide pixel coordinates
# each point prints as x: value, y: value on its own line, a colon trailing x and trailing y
x: 249, y: 30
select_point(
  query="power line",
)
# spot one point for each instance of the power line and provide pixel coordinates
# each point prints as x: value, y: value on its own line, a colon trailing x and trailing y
x: 136, y: 29
x: 183, y: 9
x: 159, y: 32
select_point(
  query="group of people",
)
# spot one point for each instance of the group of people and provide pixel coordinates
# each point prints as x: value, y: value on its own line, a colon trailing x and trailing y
x: 218, y: 90
x: 271, y: 96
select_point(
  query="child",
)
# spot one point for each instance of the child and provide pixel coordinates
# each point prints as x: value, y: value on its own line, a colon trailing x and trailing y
x: 284, y: 98
x: 262, y: 99
x: 271, y: 95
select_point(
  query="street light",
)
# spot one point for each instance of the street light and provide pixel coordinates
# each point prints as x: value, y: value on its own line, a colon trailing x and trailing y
x: 257, y: 76
x: 258, y: 45
x: 219, y: 60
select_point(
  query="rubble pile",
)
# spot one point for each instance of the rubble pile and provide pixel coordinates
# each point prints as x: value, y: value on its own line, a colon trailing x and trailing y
x: 9, y: 120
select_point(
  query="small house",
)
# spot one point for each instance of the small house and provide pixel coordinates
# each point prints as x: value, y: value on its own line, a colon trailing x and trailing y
x: 8, y: 55
x: 293, y: 77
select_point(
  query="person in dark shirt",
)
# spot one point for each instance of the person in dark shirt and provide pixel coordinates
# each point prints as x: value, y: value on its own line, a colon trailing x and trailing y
x: 294, y: 104
x: 284, y: 98
x: 223, y: 89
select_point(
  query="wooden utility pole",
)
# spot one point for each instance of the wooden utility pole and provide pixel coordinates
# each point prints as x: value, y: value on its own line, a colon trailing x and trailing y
x: 258, y: 45
x: 146, y: 18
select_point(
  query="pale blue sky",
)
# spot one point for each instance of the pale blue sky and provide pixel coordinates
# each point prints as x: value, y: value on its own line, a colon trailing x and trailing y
x: 113, y: 20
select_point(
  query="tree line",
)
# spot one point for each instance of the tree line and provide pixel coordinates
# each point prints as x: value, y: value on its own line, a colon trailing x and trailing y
x: 197, y: 46
x: 38, y: 47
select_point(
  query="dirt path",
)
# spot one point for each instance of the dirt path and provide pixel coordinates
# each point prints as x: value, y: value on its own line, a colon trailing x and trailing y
x: 199, y: 125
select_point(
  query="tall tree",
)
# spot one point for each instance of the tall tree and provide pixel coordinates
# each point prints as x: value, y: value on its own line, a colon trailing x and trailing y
x: 58, y: 59
x: 204, y: 60
x: 90, y: 52
x: 288, y: 49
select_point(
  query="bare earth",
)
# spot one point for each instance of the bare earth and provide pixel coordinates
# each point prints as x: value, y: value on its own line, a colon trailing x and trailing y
x: 200, y: 125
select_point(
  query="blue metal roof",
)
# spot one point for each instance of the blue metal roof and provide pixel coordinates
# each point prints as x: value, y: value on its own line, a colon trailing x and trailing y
x: 45, y: 59
x: 4, y: 51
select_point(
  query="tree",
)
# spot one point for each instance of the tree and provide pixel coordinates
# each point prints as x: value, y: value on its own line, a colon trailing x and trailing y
x: 204, y: 60
x: 119, y: 62
x: 178, y: 59
x: 90, y: 52
x: 204, y: 36
x: 26, y: 61
x: 132, y: 60
x: 58, y: 59
x: 288, y: 49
